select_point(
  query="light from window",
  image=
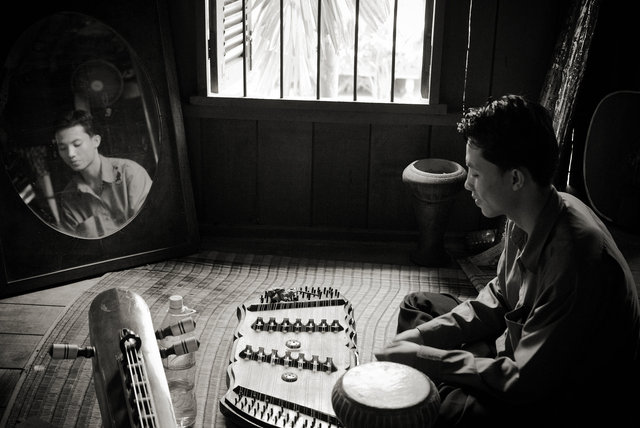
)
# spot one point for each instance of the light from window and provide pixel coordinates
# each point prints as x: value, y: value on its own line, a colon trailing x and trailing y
x: 366, y: 50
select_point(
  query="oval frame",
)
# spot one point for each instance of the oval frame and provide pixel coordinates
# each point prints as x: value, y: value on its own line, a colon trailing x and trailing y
x: 89, y: 67
x: 34, y: 255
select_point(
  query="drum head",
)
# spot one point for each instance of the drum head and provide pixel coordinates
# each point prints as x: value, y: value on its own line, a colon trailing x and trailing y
x: 385, y: 385
x: 385, y: 394
x: 612, y: 160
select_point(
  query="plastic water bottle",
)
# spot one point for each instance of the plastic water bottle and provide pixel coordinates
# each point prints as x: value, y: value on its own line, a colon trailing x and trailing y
x: 180, y: 370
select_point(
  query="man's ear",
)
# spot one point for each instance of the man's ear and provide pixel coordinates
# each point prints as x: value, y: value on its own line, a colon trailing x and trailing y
x: 518, y: 178
x: 97, y: 139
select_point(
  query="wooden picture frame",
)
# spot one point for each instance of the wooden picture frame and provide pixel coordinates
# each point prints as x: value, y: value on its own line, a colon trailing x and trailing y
x: 114, y: 58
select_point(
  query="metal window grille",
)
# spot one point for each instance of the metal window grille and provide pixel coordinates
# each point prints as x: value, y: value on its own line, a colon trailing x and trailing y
x: 230, y: 42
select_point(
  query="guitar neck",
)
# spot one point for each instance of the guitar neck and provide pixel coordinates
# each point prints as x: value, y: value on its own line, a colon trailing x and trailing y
x: 135, y: 383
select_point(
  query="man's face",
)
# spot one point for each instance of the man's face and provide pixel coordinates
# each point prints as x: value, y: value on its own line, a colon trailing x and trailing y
x: 490, y: 187
x: 77, y: 148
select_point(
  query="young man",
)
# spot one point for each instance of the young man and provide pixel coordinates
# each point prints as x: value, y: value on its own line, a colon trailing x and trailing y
x: 104, y: 193
x: 555, y: 336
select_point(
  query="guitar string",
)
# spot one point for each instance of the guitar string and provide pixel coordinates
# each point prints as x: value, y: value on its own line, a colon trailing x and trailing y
x: 141, y: 391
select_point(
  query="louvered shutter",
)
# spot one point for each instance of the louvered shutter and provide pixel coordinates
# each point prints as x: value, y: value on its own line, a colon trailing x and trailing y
x: 226, y: 38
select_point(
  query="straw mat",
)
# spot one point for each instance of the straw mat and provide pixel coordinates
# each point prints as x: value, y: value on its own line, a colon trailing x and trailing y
x: 61, y: 392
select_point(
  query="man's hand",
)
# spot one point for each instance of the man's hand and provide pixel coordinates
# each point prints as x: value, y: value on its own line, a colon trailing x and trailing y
x: 402, y: 351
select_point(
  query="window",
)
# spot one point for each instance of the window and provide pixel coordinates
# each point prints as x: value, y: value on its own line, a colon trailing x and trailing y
x: 340, y: 50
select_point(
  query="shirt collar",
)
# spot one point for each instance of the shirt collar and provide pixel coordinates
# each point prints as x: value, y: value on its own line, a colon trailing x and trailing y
x: 107, y: 173
x: 544, y: 223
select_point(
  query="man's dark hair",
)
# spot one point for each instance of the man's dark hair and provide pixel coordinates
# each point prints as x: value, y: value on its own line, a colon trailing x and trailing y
x: 514, y: 132
x: 73, y: 118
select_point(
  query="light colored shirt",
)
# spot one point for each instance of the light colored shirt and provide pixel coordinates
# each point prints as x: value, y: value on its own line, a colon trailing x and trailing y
x: 563, y: 311
x: 125, y: 185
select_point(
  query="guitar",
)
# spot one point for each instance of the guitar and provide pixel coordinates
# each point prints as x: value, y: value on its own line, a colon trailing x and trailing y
x: 129, y: 378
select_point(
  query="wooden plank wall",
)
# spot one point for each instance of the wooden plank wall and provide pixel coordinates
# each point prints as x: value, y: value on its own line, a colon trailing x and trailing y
x: 301, y: 172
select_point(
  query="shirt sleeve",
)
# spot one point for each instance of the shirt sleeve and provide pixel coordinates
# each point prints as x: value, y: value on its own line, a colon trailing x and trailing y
x: 443, y: 356
x: 70, y: 214
x: 474, y: 320
x: 546, y: 343
x: 67, y: 219
x: 138, y: 186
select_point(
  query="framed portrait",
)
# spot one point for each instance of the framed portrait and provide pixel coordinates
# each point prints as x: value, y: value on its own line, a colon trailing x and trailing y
x: 95, y: 173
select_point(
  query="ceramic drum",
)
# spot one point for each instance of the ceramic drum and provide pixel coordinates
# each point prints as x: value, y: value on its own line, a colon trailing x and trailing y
x: 433, y: 184
x: 384, y: 394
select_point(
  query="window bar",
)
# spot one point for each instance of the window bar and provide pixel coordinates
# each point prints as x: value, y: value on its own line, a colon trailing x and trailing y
x: 214, y: 45
x: 281, y: 48
x: 393, y: 48
x: 355, y: 54
x: 318, y: 50
x: 244, y: 47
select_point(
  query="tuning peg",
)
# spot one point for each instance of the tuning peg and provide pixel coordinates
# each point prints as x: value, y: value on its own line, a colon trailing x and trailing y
x: 183, y: 326
x: 63, y: 351
x: 185, y: 346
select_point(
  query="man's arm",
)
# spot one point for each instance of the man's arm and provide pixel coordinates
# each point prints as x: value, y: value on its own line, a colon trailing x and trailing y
x: 138, y: 186
x: 471, y: 321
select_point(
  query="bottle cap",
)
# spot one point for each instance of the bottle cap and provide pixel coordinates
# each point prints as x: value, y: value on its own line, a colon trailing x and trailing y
x: 175, y: 302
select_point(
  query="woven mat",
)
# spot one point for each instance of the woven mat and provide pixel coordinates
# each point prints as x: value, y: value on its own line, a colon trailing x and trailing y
x: 481, y: 268
x: 61, y: 392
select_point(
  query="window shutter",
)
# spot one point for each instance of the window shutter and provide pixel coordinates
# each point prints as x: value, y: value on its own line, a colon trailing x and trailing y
x: 226, y: 38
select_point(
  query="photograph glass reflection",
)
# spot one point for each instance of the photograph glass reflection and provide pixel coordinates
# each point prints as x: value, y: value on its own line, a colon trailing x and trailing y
x: 78, y: 126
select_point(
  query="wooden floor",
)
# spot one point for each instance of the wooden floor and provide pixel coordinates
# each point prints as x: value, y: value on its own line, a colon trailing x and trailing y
x: 25, y: 319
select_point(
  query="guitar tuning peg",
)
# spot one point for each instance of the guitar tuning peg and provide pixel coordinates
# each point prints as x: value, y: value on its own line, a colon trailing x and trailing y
x: 185, y: 346
x: 183, y: 326
x: 64, y: 351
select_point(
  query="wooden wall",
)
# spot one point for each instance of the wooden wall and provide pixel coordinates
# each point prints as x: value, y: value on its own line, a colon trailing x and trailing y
x: 261, y: 166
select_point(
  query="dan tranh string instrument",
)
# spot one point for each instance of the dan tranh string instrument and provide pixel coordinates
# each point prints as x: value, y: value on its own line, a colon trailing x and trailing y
x: 288, y: 352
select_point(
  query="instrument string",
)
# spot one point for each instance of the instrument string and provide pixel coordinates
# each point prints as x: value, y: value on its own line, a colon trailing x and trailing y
x: 296, y: 344
x: 142, y: 397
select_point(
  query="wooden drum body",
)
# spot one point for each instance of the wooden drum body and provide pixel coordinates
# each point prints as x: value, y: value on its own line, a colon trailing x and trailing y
x: 433, y: 185
x: 384, y: 394
x: 112, y: 311
x: 286, y: 358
